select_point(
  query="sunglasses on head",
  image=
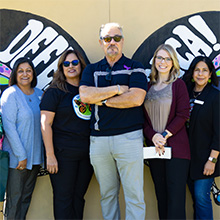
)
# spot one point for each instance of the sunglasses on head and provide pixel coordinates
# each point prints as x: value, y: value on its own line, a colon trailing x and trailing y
x: 108, y: 39
x: 74, y: 63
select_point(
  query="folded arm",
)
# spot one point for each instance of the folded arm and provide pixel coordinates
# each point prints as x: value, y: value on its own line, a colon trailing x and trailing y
x: 93, y: 95
x: 132, y: 98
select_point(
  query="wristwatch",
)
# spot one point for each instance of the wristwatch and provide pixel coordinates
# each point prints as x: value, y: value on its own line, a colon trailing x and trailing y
x: 164, y: 134
x: 213, y: 160
x: 104, y: 102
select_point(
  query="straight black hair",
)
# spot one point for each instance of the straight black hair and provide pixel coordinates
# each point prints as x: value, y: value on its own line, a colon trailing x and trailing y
x: 13, y: 77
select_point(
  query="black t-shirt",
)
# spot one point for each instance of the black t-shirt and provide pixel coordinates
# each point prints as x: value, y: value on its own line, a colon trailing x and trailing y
x: 69, y: 131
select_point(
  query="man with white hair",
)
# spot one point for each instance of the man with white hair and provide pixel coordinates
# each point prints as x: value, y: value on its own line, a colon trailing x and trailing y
x: 116, y: 87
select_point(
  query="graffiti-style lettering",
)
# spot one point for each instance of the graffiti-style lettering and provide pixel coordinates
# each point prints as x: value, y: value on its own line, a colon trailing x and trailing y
x: 58, y: 45
x: 184, y: 62
x: 194, y: 43
x: 34, y: 28
x: 52, y: 42
x: 36, y: 37
x: 198, y: 23
x: 191, y: 38
x: 48, y: 35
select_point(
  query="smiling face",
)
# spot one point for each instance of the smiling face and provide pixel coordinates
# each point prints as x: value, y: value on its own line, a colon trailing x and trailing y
x: 163, y: 62
x: 24, y: 75
x: 71, y: 72
x: 201, y: 75
x: 111, y: 49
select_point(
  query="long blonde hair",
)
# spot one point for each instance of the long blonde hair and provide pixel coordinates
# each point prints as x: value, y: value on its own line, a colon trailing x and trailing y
x: 175, y: 70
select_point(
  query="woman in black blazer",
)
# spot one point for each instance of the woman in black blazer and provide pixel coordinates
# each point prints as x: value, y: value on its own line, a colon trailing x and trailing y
x: 204, y: 134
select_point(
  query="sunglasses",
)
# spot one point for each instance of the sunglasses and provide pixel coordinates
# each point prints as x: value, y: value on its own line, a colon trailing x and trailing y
x: 117, y: 38
x: 74, y: 63
x: 108, y: 77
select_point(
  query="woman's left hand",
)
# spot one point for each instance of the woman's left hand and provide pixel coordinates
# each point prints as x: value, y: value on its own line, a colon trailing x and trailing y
x: 209, y: 168
x: 22, y: 165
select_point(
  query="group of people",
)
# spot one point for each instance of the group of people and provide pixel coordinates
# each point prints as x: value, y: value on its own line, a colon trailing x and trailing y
x: 95, y: 118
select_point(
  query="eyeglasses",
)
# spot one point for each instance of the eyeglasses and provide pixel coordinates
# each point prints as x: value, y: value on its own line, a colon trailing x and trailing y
x: 74, y: 63
x: 108, y: 77
x: 108, y: 39
x: 166, y: 59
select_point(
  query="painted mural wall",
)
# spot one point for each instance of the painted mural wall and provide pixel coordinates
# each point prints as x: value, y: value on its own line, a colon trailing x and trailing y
x: 42, y: 30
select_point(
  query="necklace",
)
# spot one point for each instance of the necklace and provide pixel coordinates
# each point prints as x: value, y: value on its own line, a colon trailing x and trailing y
x: 196, y: 94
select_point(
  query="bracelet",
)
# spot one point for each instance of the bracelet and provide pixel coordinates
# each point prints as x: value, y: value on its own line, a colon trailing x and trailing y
x: 118, y: 89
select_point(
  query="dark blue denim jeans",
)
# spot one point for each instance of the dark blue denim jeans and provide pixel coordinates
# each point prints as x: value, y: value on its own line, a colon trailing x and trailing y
x: 202, y: 200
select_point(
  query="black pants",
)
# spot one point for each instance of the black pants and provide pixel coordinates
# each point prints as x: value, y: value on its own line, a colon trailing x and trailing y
x: 170, y: 177
x: 69, y: 187
x: 20, y: 187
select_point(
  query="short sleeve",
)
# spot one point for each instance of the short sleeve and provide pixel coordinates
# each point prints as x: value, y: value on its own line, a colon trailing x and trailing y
x: 87, y: 76
x: 138, y: 77
x: 50, y: 100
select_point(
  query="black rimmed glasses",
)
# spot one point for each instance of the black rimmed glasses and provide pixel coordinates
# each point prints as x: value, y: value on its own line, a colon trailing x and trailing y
x: 108, y: 77
x: 108, y: 39
x: 74, y: 63
x: 166, y: 59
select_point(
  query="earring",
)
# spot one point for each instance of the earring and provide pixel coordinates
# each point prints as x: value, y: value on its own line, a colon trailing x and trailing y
x: 209, y: 80
x: 192, y: 80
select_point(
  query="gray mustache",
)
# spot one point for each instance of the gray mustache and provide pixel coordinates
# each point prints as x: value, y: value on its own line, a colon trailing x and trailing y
x: 112, y: 46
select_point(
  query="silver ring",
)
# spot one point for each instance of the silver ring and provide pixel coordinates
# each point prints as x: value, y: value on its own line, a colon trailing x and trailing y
x: 21, y: 168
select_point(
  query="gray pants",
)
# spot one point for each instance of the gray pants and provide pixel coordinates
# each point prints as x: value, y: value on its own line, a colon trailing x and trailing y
x: 19, y: 191
x: 119, y: 158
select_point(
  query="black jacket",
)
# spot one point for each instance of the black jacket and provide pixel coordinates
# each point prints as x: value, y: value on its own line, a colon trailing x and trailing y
x: 204, y: 132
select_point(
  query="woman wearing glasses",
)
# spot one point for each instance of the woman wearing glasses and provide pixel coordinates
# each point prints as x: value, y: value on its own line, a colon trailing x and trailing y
x: 65, y: 129
x: 166, y: 111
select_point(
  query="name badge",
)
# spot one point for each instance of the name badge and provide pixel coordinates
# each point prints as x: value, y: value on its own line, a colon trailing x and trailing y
x: 198, y: 102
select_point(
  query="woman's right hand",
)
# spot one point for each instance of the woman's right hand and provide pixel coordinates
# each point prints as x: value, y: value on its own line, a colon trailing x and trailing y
x: 52, y: 165
x: 159, y: 142
x: 22, y: 165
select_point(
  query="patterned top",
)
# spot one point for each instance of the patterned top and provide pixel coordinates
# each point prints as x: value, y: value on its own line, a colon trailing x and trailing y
x: 157, y: 105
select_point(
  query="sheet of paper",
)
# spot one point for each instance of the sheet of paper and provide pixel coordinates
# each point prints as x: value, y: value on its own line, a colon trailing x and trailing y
x: 150, y: 153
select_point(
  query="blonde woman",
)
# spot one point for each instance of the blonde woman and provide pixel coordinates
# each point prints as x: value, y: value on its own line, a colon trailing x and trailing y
x: 166, y: 111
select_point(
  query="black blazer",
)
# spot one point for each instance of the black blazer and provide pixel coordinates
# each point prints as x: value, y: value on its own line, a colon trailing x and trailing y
x: 204, y: 133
